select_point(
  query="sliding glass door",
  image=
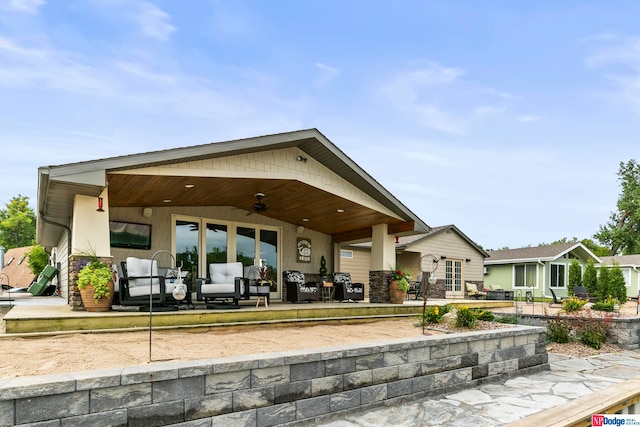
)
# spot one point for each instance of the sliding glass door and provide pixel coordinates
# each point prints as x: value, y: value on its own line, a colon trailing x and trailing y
x: 225, y: 241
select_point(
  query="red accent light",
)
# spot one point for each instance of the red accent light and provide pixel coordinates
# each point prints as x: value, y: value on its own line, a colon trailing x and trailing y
x: 100, y: 205
x: 397, y: 240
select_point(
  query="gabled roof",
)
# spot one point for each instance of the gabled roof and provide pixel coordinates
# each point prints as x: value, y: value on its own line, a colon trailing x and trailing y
x: 57, y: 185
x: 405, y: 242
x: 623, y: 260
x: 537, y: 253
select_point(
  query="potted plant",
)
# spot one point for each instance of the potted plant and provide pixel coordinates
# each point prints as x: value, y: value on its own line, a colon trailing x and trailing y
x: 323, y: 269
x: 95, y: 282
x: 398, y: 286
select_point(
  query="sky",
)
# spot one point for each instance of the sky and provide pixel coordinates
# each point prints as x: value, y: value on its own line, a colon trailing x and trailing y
x: 507, y: 119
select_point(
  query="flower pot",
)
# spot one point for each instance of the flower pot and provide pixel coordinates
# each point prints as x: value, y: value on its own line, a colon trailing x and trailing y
x: 103, y: 304
x: 396, y: 296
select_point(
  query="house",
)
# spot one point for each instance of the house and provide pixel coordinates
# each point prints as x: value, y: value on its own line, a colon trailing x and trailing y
x: 535, y: 269
x: 451, y: 256
x: 284, y: 200
x: 629, y: 265
x: 14, y: 268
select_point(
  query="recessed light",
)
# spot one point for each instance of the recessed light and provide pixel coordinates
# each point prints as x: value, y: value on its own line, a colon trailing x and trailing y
x: 189, y: 185
x: 340, y: 210
x: 305, y: 219
x: 167, y: 200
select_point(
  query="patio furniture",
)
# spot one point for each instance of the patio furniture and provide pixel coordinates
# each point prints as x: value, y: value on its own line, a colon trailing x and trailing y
x: 496, y: 293
x: 472, y: 291
x: 226, y: 282
x: 415, y: 288
x: 257, y: 288
x: 298, y: 289
x: 555, y: 300
x: 345, y: 290
x: 141, y: 278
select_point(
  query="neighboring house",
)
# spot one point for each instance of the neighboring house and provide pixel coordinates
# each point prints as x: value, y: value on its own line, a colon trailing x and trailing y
x: 15, y: 270
x: 458, y: 259
x: 536, y: 269
x: 629, y: 264
x: 284, y: 200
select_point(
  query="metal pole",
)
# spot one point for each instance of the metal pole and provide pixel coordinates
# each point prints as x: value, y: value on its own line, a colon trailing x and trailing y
x: 151, y: 294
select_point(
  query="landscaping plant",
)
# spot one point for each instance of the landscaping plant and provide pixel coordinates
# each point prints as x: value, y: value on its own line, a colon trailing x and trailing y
x: 575, y: 276
x: 573, y: 304
x: 558, y: 330
x: 590, y: 277
x: 594, y: 332
x: 434, y: 314
x: 466, y: 317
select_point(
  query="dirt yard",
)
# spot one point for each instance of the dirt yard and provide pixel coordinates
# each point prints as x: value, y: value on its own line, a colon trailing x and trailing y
x: 90, y: 351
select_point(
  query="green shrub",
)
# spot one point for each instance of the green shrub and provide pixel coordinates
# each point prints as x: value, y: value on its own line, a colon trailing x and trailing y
x: 558, y: 331
x: 37, y: 259
x: 483, y: 315
x: 466, y: 317
x: 573, y: 304
x: 594, y: 334
x: 507, y: 319
x: 431, y: 315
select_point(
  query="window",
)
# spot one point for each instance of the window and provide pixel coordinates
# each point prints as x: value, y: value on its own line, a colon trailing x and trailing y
x: 558, y: 276
x: 525, y: 276
x: 453, y: 276
x: 346, y: 254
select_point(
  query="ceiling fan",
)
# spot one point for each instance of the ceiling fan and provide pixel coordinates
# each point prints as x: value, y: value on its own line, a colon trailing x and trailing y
x: 259, y: 207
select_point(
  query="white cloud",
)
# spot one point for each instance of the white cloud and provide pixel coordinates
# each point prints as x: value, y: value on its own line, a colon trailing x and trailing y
x: 23, y: 6
x: 528, y: 118
x: 154, y: 22
x: 327, y: 73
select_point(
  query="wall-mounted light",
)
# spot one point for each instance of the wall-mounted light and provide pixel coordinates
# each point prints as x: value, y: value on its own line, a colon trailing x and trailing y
x: 468, y: 260
x: 301, y: 159
x: 397, y: 240
x: 443, y: 257
x: 100, y: 204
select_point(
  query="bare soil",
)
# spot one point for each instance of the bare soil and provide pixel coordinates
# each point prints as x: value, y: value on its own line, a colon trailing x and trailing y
x: 90, y: 351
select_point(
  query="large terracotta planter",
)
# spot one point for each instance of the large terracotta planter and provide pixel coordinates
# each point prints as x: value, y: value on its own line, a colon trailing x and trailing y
x: 396, y: 296
x: 103, y: 304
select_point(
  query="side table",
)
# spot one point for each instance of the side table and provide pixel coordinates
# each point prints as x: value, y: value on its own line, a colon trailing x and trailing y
x: 262, y: 291
x: 327, y: 290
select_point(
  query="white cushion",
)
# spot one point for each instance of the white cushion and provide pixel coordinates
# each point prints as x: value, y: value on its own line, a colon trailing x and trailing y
x: 137, y: 267
x: 218, y: 288
x: 225, y: 272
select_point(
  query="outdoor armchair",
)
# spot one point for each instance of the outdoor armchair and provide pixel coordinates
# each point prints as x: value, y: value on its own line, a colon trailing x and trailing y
x: 345, y: 290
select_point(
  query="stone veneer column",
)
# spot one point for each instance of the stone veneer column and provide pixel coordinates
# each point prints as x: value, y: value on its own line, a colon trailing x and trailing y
x: 379, y: 286
x: 75, y: 264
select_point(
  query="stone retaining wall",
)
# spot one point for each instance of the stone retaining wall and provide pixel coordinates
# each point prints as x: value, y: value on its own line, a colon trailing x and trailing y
x: 623, y: 332
x: 277, y: 388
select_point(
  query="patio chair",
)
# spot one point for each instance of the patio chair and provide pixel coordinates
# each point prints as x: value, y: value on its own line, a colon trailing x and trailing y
x: 345, y: 290
x: 141, y: 278
x: 415, y: 288
x: 298, y: 289
x: 226, y: 282
x: 472, y: 291
x: 555, y: 300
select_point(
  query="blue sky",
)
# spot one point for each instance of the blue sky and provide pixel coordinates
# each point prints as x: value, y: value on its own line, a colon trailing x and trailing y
x: 507, y: 119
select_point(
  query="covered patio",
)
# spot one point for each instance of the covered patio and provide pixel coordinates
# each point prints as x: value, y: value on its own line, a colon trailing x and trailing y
x: 254, y: 200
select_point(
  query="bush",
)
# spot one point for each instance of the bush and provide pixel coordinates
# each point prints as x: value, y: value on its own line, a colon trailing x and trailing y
x: 558, y: 331
x: 484, y: 315
x: 512, y: 320
x: 38, y: 259
x: 432, y: 315
x: 594, y: 334
x: 573, y: 304
x: 466, y: 317
x: 603, y: 306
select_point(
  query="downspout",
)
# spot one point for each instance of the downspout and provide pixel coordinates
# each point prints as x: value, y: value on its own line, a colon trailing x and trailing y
x: 66, y: 227
x: 544, y: 278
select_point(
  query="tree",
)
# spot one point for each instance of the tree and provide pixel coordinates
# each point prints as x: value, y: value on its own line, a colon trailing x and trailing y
x: 595, y: 248
x: 602, y: 292
x: 617, y: 287
x: 38, y: 259
x: 575, y: 276
x: 590, y: 278
x: 17, y: 224
x: 622, y: 233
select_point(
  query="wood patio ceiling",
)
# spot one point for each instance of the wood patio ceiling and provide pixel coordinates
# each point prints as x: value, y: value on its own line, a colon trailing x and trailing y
x: 286, y: 200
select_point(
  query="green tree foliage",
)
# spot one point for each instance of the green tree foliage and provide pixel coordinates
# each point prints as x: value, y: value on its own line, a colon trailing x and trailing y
x: 602, y: 292
x: 17, y: 224
x: 590, y: 278
x: 38, y: 259
x: 595, y: 248
x: 622, y: 233
x: 617, y: 288
x: 575, y: 276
